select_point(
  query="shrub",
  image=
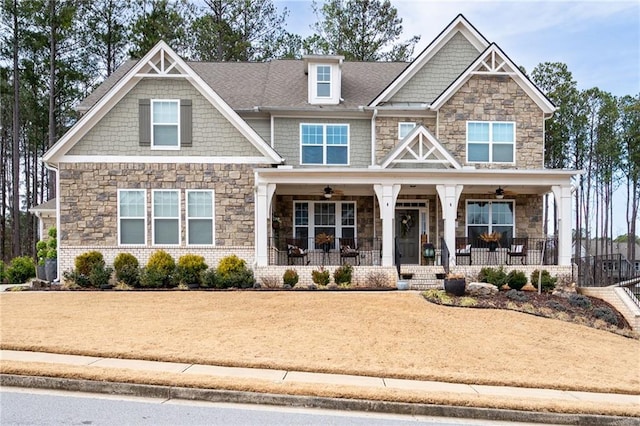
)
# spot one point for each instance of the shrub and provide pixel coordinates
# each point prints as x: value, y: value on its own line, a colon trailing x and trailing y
x: 100, y: 275
x: 555, y: 305
x: 271, y: 281
x: 87, y: 261
x: 516, y: 280
x: 152, y: 277
x: 495, y: 276
x: 41, y: 251
x: 342, y: 274
x: 190, y: 269
x: 290, y: 277
x: 162, y: 265
x: 76, y: 279
x: 377, y: 279
x: 127, y: 269
x: 231, y: 264
x: 606, y: 314
x: 52, y: 244
x: 320, y: 276
x: 21, y: 269
x: 210, y: 278
x: 547, y: 282
x: 579, y: 301
x: 3, y: 273
x: 516, y: 295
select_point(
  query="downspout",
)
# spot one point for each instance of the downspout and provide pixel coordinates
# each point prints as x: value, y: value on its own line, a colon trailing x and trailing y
x: 373, y: 136
x: 57, y: 173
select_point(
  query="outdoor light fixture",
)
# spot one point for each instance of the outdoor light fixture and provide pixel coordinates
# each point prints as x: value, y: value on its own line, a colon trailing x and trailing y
x: 328, y: 192
x: 499, y: 193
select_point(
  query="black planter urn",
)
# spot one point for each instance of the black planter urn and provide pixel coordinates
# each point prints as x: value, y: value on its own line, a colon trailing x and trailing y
x: 455, y: 286
x: 493, y: 245
x: 51, y: 269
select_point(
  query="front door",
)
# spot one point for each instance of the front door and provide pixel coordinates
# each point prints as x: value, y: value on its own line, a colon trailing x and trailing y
x: 408, y: 235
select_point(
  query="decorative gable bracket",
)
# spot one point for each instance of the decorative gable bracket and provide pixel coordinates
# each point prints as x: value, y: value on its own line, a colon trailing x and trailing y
x: 420, y: 147
x: 162, y: 64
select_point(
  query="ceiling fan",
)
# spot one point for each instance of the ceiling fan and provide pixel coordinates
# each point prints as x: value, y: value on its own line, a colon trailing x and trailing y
x: 329, y: 191
x: 500, y: 192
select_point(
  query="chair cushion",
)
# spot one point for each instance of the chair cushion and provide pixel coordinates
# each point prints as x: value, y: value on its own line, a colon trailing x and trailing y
x: 347, y: 249
x: 295, y: 250
x: 464, y: 249
x: 516, y: 248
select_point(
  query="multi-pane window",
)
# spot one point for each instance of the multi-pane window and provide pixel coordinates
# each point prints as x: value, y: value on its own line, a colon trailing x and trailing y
x: 404, y: 128
x: 200, y: 223
x: 332, y: 218
x: 165, y: 116
x: 490, y: 216
x: 323, y: 81
x: 132, y: 208
x: 490, y: 142
x: 166, y: 217
x: 324, y: 143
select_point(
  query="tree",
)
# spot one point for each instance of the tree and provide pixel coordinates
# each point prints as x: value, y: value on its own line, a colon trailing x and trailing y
x: 167, y: 20
x: 247, y: 30
x: 630, y: 137
x: 360, y: 30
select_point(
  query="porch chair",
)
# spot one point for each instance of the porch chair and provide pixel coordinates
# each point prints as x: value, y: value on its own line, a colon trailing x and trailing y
x: 349, y: 249
x: 295, y: 250
x: 463, y: 249
x: 518, y: 248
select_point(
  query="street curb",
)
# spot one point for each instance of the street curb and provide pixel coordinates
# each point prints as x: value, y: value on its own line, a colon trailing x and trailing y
x: 216, y: 395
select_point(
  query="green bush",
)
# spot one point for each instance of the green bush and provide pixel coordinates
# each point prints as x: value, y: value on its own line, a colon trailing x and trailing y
x: 343, y: 274
x: 127, y: 269
x: 100, y: 275
x: 41, y: 251
x: 606, y: 314
x: 162, y: 263
x: 516, y: 280
x: 190, y: 269
x: 495, y: 276
x: 517, y: 295
x: 580, y: 301
x: 548, y: 283
x: 52, y: 244
x: 76, y: 278
x: 210, y: 278
x: 231, y: 264
x: 20, y: 270
x: 290, y: 277
x: 3, y: 273
x: 87, y: 261
x: 238, y: 279
x: 320, y: 276
x: 152, y: 277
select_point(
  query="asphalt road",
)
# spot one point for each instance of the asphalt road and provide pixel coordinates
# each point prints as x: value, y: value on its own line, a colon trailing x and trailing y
x: 19, y: 406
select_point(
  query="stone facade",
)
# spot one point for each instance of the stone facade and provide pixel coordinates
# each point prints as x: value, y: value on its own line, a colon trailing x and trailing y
x: 117, y: 133
x: 493, y: 98
x: 287, y: 136
x: 387, y: 132
x: 88, y: 202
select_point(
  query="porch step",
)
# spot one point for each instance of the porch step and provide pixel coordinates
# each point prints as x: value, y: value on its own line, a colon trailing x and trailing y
x: 425, y: 284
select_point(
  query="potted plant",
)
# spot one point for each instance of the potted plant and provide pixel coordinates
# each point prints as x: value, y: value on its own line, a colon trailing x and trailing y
x: 275, y: 222
x: 325, y: 241
x: 41, y: 250
x: 492, y: 239
x: 51, y: 258
x: 455, y: 283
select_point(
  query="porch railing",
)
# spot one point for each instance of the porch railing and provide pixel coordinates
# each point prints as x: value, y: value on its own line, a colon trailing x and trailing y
x: 528, y: 251
x: 607, y: 270
x: 297, y: 251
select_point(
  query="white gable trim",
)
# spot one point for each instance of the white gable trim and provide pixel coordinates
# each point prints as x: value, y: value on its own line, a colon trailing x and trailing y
x: 162, y: 159
x: 428, y: 146
x: 459, y: 24
x: 493, y: 61
x: 161, y: 61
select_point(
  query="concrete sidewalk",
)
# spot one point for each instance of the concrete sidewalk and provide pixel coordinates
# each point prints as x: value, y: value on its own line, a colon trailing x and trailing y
x: 282, y: 376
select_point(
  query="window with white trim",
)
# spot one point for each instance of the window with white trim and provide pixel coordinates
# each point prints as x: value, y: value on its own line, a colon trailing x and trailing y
x: 404, y: 128
x: 200, y: 217
x: 165, y: 124
x: 326, y: 144
x: 323, y: 81
x: 166, y: 217
x: 490, y: 142
x: 491, y: 216
x: 332, y: 218
x: 132, y: 216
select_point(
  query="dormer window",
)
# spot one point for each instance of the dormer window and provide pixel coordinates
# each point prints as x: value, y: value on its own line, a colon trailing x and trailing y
x: 324, y: 76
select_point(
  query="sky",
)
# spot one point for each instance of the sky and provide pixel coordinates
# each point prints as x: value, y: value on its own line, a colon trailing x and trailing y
x: 598, y: 40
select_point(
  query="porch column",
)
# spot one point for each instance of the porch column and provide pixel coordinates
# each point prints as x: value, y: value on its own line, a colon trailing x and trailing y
x: 562, y: 198
x: 387, y: 195
x: 263, y: 194
x: 449, y: 196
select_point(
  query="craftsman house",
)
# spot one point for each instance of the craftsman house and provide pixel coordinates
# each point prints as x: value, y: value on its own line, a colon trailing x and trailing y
x: 315, y: 161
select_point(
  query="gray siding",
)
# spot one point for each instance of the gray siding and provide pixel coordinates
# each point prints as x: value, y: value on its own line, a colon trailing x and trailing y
x: 117, y: 133
x: 287, y: 139
x: 437, y: 74
x: 262, y: 126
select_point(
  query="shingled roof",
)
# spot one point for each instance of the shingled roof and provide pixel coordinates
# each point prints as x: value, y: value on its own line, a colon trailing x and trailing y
x: 277, y: 84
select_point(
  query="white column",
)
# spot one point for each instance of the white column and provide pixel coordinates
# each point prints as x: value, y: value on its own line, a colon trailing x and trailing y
x: 562, y: 198
x: 387, y: 195
x: 263, y: 194
x: 449, y: 195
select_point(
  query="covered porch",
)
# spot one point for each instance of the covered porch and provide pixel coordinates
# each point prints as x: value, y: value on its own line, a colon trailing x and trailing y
x: 383, y: 217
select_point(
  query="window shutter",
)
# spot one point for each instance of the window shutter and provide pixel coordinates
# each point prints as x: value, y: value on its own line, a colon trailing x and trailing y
x: 186, y: 138
x: 144, y: 121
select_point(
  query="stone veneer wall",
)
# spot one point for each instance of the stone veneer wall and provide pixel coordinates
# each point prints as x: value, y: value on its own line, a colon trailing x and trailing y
x: 494, y: 98
x: 88, y: 207
x: 387, y: 132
